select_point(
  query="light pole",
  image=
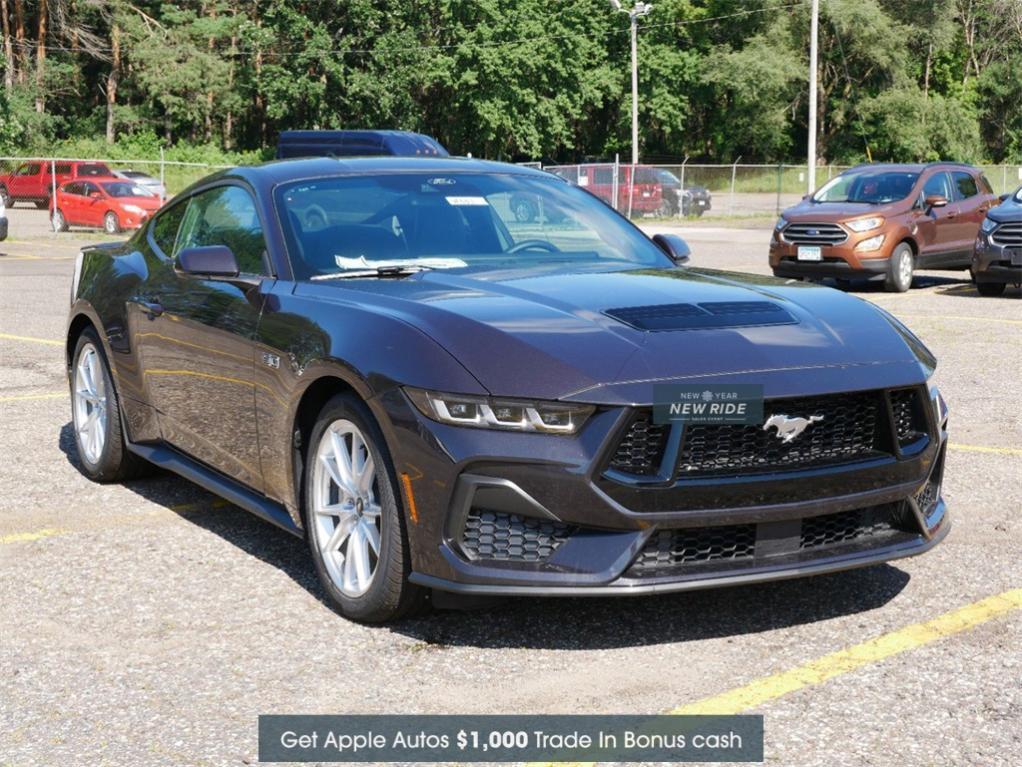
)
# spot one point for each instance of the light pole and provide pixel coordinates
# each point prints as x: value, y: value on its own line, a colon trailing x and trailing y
x: 813, y: 45
x: 635, y: 13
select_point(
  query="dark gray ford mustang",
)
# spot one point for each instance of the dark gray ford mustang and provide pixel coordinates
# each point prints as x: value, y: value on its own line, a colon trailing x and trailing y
x: 377, y: 355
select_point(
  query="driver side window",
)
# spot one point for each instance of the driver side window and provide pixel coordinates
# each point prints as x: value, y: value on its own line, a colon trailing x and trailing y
x: 227, y: 216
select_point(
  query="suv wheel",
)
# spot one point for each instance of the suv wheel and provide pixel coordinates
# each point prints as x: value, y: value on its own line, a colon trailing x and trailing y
x: 991, y: 288
x: 355, y: 525
x: 524, y: 212
x: 899, y: 269
x: 96, y: 416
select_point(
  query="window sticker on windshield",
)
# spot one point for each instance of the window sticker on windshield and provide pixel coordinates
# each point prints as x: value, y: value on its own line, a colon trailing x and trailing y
x: 467, y: 201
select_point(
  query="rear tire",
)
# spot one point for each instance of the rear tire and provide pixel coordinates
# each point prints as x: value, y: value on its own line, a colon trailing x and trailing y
x: 900, y: 269
x: 110, y: 223
x: 96, y: 416
x: 992, y: 289
x: 352, y: 506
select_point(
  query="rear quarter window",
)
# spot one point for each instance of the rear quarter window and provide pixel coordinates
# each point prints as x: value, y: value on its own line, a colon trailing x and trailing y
x: 965, y: 185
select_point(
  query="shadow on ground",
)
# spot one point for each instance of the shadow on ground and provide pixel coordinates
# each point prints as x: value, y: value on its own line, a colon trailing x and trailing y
x: 555, y: 623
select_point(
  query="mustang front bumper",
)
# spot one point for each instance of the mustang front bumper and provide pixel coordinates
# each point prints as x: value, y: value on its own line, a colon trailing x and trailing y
x: 511, y: 513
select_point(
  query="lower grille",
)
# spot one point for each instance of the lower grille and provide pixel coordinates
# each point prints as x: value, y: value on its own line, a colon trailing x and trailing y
x: 669, y: 548
x: 669, y: 552
x: 831, y: 529
x: 848, y: 431
x: 511, y: 538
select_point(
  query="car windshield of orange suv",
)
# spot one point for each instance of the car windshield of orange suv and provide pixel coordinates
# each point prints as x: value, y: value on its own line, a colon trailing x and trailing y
x: 868, y: 188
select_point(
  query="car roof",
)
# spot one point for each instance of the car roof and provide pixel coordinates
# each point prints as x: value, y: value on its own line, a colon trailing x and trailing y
x: 913, y: 167
x: 95, y: 179
x: 285, y: 171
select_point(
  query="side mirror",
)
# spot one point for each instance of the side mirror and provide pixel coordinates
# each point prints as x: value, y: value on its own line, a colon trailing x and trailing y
x: 674, y: 246
x: 935, y: 201
x: 209, y: 260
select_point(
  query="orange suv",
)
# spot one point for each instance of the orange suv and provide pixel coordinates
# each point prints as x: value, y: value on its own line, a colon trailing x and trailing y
x: 883, y: 222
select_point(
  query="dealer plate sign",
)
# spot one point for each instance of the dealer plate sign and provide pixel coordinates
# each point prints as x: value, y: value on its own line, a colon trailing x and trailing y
x: 708, y: 404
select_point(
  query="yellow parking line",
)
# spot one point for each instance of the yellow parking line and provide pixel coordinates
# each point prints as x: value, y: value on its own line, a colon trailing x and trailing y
x: 853, y: 658
x: 48, y: 395
x: 985, y: 449
x: 46, y: 532
x: 32, y: 339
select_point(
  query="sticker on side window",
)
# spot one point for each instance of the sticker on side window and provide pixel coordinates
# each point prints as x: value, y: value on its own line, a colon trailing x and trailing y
x: 467, y: 201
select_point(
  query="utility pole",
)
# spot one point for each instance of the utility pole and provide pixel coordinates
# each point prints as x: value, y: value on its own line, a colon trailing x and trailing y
x: 639, y: 10
x: 813, y: 45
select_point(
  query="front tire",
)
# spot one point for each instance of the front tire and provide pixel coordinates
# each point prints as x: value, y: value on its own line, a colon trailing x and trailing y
x: 353, y: 516
x: 900, y: 269
x: 110, y: 223
x: 991, y: 289
x: 59, y: 222
x: 96, y: 416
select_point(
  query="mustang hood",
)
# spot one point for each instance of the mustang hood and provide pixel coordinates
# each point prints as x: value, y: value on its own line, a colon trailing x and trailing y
x: 603, y: 337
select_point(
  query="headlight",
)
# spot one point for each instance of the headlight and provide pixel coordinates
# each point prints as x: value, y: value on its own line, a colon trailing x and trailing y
x: 781, y: 223
x: 988, y: 225
x: 489, y: 413
x: 873, y: 243
x: 865, y: 224
x: 134, y: 209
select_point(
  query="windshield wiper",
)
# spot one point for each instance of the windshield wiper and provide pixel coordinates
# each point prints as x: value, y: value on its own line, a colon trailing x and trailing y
x: 391, y: 270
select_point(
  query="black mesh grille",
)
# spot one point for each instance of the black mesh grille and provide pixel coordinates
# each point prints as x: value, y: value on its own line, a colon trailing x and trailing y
x: 907, y: 421
x: 845, y: 526
x: 848, y: 431
x: 642, y: 448
x: 511, y: 538
x: 669, y: 548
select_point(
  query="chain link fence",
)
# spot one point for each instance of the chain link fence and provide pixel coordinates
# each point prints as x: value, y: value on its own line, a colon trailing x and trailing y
x: 725, y: 191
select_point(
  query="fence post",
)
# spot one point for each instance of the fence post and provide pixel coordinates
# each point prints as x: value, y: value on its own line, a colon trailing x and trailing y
x: 681, y: 191
x: 780, y: 184
x: 53, y: 195
x: 731, y: 200
x: 1004, y: 179
x: 163, y: 182
x: 617, y: 166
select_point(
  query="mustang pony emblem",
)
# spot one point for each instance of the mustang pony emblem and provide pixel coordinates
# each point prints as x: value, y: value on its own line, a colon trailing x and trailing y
x: 789, y: 428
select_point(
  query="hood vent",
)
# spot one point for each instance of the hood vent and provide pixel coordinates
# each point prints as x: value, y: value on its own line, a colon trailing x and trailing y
x: 713, y: 314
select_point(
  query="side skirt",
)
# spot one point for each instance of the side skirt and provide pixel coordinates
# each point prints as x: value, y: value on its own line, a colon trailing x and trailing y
x: 225, y: 487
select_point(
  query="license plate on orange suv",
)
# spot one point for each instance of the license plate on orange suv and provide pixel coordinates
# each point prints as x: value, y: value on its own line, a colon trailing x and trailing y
x: 810, y: 253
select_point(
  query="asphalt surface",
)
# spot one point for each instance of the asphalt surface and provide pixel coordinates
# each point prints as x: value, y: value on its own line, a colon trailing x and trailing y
x: 149, y: 623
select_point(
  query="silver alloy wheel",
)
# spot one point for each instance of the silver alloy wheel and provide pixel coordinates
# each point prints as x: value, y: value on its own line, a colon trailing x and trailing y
x: 90, y: 403
x: 347, y: 519
x: 905, y: 269
x: 110, y: 223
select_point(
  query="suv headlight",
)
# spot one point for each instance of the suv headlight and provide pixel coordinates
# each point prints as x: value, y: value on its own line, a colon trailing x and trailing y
x: 498, y: 413
x: 781, y: 223
x: 865, y: 224
x: 988, y: 225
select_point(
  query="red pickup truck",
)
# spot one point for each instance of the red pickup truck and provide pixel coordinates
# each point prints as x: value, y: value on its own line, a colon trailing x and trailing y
x: 33, y: 181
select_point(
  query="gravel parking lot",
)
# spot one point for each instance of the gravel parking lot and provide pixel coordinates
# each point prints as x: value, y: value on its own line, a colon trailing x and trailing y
x: 150, y: 623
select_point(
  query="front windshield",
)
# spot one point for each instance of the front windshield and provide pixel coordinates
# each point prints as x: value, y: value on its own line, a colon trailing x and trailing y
x: 453, y: 220
x: 868, y: 186
x: 126, y: 189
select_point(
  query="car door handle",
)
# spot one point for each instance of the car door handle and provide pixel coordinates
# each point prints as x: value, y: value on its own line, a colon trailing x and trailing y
x: 152, y: 309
